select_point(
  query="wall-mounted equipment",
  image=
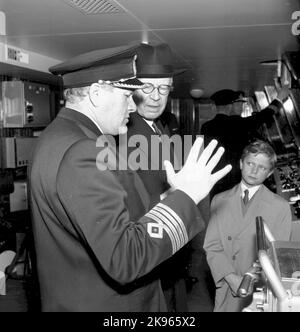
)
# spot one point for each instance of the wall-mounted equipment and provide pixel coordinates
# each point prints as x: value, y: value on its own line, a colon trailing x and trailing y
x: 283, y: 132
x: 25, y: 104
x: 6, y: 182
x: 16, y: 151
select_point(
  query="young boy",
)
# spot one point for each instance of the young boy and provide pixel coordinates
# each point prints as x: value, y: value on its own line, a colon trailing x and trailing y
x: 230, y: 241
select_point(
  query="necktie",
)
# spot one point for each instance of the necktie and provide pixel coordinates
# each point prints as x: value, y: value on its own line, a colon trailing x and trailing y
x: 246, y: 197
x: 156, y: 129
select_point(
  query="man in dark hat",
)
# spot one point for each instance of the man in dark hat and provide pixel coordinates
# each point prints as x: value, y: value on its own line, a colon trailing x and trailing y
x: 234, y: 132
x: 96, y: 250
x: 226, y: 97
x: 155, y: 69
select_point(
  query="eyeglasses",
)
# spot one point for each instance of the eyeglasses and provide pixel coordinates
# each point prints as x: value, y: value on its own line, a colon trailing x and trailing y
x: 163, y: 89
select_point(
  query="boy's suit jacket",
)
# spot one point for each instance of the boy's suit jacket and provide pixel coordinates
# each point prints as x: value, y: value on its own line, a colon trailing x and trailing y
x: 230, y: 241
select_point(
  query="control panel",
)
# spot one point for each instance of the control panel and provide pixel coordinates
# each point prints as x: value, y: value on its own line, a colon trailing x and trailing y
x: 288, y: 185
x: 25, y: 104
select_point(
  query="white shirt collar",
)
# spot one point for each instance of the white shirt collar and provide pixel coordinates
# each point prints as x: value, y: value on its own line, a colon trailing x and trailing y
x: 87, y: 115
x: 150, y: 123
x: 252, y: 190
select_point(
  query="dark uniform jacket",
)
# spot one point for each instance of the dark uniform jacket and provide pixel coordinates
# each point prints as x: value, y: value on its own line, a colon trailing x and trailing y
x: 171, y: 271
x: 97, y: 246
x: 234, y: 133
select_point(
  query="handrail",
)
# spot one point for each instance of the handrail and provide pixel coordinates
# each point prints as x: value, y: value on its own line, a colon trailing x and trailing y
x: 272, y: 276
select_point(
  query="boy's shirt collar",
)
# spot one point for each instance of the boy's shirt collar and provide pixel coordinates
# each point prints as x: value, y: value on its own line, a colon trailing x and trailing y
x: 252, y: 190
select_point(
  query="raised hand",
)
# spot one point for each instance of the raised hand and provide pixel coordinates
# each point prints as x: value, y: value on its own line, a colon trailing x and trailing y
x: 196, y: 178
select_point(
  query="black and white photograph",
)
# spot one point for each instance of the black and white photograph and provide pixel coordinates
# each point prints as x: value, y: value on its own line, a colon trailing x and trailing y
x: 149, y: 159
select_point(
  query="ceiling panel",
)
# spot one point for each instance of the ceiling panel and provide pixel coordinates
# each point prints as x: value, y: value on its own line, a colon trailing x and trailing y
x: 217, y: 58
x: 208, y: 13
x: 63, y: 47
x: 220, y: 42
x: 55, y: 17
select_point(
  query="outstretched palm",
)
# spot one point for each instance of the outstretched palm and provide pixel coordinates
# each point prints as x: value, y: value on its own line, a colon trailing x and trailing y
x: 196, y: 178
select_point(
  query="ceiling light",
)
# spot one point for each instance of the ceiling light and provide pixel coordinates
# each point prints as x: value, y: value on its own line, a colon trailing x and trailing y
x: 196, y: 93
